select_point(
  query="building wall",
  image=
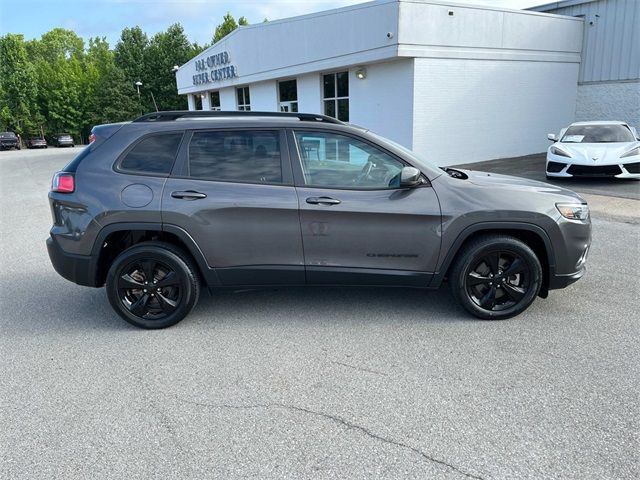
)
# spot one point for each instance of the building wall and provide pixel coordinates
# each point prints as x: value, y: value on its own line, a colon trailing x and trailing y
x: 485, y: 32
x: 611, y: 43
x: 609, y: 79
x: 309, y: 93
x: 455, y: 82
x: 298, y: 45
x: 473, y: 110
x: 609, y: 101
x: 383, y: 102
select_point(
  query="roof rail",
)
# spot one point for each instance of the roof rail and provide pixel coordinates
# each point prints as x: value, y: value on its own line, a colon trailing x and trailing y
x: 179, y: 114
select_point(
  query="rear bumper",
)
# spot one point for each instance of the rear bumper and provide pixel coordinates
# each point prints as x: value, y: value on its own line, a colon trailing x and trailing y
x: 78, y: 269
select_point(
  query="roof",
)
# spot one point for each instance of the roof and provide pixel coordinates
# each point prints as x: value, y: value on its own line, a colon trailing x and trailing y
x: 556, y: 5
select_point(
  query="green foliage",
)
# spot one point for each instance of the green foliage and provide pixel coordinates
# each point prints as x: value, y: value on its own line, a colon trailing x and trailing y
x: 58, y: 84
x: 227, y: 26
x: 18, y: 86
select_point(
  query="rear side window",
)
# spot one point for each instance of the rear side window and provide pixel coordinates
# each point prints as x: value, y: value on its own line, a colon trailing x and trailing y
x: 153, y: 155
x: 236, y: 156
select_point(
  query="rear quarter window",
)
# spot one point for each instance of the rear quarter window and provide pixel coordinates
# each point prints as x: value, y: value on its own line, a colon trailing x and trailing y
x: 153, y: 155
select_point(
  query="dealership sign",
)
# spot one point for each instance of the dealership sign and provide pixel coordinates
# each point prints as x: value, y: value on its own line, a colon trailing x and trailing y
x: 214, y: 68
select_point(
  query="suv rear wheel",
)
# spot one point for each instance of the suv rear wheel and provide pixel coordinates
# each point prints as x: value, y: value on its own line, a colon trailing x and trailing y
x: 496, y: 277
x: 153, y: 285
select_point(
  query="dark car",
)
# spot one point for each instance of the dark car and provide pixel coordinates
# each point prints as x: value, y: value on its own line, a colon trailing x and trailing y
x: 36, y: 142
x: 172, y: 202
x: 9, y: 140
x: 62, y: 140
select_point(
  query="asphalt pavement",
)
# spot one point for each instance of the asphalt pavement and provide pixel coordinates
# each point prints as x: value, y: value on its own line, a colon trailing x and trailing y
x: 532, y: 166
x: 311, y: 383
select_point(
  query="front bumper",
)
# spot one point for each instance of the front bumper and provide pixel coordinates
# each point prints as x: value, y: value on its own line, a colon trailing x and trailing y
x: 562, y: 167
x: 78, y: 269
x: 561, y: 281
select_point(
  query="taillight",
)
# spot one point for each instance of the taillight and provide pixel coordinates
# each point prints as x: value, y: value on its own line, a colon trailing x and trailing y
x: 92, y: 138
x: 63, y: 182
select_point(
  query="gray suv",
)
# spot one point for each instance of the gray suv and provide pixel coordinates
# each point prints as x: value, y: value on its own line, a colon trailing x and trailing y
x: 172, y: 202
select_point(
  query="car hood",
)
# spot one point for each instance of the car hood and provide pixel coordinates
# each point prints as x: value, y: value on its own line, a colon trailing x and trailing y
x: 518, y: 184
x: 596, y: 153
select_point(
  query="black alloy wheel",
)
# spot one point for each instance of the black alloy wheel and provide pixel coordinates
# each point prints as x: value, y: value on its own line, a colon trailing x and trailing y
x: 496, y: 277
x: 498, y: 280
x: 149, y: 289
x: 153, y: 285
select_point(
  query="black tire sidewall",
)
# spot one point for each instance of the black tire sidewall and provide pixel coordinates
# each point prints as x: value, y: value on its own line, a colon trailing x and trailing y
x: 188, y: 284
x: 480, y: 249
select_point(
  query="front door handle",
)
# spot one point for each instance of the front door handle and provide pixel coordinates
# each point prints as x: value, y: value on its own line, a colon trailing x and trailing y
x: 189, y: 195
x: 323, y: 201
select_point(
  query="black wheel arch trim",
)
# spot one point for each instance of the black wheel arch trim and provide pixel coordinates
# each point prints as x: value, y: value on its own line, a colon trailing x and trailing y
x: 497, y: 227
x: 209, y: 274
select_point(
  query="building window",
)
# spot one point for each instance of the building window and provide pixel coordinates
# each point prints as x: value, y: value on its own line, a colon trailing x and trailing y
x: 336, y: 95
x: 244, y: 101
x: 288, y: 91
x: 215, y: 101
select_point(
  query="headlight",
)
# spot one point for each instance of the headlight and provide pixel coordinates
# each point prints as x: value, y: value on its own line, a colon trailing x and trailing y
x: 557, y: 151
x: 631, y: 153
x: 573, y: 211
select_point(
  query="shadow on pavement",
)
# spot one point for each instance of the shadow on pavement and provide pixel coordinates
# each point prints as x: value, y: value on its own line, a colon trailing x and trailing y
x: 70, y: 308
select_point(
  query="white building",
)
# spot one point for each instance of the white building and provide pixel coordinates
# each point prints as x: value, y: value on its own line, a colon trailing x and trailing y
x: 609, y: 78
x: 455, y: 83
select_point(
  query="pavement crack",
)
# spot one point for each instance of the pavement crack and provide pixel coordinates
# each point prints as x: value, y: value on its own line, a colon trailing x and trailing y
x: 362, y: 369
x: 340, y: 421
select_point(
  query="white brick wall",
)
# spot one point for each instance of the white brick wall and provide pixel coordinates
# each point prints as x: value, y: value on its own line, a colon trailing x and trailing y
x: 609, y: 101
x: 473, y: 110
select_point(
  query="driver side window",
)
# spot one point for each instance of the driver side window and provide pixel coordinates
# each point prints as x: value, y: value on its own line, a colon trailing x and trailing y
x: 338, y: 161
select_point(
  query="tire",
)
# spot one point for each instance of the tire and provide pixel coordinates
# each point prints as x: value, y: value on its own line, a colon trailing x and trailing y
x: 176, y: 292
x: 496, y: 277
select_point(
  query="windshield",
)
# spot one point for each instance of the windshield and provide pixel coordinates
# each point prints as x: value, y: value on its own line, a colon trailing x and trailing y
x: 418, y: 161
x: 7, y: 135
x: 597, y: 134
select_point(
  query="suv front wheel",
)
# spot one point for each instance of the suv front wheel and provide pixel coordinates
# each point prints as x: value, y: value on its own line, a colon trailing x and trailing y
x: 496, y: 277
x: 153, y: 285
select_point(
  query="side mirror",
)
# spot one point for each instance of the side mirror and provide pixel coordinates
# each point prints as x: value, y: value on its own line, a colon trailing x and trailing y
x: 552, y: 137
x: 410, y: 177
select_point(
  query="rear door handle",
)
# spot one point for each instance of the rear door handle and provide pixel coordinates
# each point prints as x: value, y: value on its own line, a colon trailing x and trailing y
x: 323, y: 201
x: 189, y: 195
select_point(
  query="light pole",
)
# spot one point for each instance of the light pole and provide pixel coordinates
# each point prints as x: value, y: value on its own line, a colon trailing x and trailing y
x: 138, y: 85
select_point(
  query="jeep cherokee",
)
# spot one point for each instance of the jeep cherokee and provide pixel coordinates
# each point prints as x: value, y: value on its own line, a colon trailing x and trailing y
x: 159, y: 207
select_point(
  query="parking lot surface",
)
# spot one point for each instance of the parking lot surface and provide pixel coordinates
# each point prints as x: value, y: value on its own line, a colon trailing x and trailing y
x: 311, y: 383
x: 532, y: 166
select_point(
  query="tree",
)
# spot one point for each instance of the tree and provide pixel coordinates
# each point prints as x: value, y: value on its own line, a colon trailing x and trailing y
x: 18, y: 87
x: 57, y: 84
x: 227, y: 26
x: 109, y: 97
x: 165, y: 50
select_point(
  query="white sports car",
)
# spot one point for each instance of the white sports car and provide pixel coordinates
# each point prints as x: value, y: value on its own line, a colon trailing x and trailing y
x: 594, y: 149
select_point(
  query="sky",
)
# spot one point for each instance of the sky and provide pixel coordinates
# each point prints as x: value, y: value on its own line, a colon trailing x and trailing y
x: 107, y: 18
